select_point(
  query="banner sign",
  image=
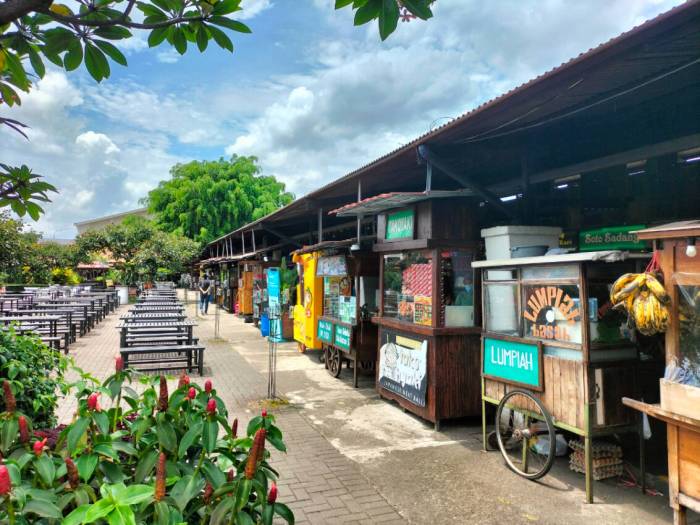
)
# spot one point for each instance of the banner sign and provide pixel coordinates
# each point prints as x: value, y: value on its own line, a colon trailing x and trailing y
x: 614, y: 238
x: 343, y: 337
x: 399, y: 225
x: 513, y: 362
x: 402, y: 367
x: 325, y: 331
x: 335, y: 266
x: 273, y: 290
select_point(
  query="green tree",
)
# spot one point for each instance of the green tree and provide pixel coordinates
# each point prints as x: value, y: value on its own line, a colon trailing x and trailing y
x: 32, y: 31
x: 204, y: 200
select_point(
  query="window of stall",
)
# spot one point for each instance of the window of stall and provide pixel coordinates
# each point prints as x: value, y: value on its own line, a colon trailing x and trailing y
x: 457, y: 281
x: 688, y: 360
x: 339, y: 294
x: 408, y: 286
x: 607, y: 325
x: 501, y: 302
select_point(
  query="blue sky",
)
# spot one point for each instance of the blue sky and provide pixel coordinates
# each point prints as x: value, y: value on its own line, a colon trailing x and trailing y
x: 312, y: 96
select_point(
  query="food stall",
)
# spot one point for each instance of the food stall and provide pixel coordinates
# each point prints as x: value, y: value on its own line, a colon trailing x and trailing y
x: 555, y: 354
x: 428, y: 319
x: 350, y: 285
x: 228, y: 277
x: 308, y: 305
x: 680, y: 388
x: 245, y: 290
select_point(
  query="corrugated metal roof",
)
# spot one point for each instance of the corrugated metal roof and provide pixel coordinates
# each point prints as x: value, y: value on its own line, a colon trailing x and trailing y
x: 386, y: 201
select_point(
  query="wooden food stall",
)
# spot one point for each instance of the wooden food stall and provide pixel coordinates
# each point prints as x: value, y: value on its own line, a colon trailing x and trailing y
x: 245, y: 290
x: 428, y: 317
x: 350, y: 284
x: 309, y: 301
x: 680, y: 390
x: 554, y: 352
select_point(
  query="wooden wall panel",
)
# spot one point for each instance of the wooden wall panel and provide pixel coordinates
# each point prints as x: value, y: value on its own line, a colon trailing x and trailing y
x: 689, y: 462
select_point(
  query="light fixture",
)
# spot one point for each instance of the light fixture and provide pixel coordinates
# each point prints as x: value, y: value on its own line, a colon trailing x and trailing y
x: 265, y: 258
x: 355, y: 247
x: 691, y: 250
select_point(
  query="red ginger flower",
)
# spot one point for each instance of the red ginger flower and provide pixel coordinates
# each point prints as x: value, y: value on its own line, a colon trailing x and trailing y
x: 264, y: 412
x: 23, y: 429
x: 256, y: 453
x: 234, y: 427
x: 72, y: 472
x: 191, y: 393
x: 159, y: 493
x: 119, y: 363
x: 272, y: 496
x: 207, y: 386
x: 5, y: 481
x: 208, y: 493
x: 163, y: 397
x: 39, y: 446
x: 10, y: 401
x: 230, y: 475
x: 211, y: 406
x: 184, y: 380
x: 93, y: 402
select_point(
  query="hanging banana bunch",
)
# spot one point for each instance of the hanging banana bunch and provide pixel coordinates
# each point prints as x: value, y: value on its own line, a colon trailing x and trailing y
x: 645, y: 300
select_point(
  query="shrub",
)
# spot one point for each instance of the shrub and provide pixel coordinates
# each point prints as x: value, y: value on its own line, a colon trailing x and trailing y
x: 35, y: 373
x: 166, y: 459
x: 64, y: 276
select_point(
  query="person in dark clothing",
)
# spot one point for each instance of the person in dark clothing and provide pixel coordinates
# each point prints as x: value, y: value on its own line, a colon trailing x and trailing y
x: 204, y: 294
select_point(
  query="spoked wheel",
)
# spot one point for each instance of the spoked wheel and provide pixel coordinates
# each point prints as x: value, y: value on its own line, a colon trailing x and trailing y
x: 522, y: 428
x: 335, y: 362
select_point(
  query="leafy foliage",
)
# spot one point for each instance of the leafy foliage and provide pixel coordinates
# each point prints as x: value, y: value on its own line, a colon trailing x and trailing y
x: 204, y: 200
x: 19, y: 187
x: 35, y: 373
x: 387, y: 12
x: 64, y: 276
x: 139, y: 250
x: 149, y: 458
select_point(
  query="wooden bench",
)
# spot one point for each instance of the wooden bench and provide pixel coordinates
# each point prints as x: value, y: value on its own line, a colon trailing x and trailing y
x: 188, y: 355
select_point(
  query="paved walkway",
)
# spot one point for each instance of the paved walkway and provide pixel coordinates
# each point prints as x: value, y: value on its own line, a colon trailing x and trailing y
x: 354, y: 458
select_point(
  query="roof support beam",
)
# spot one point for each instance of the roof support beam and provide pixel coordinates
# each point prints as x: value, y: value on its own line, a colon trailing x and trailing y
x: 280, y: 235
x: 429, y: 155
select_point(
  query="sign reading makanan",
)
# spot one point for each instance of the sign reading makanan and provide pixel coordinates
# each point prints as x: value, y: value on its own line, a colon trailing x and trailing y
x: 512, y: 361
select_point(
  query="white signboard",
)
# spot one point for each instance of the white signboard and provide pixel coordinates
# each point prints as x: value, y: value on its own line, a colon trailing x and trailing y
x: 402, y: 369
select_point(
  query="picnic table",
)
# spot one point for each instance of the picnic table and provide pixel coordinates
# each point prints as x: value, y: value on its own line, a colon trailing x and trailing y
x: 39, y: 322
x: 156, y: 332
x: 141, y: 317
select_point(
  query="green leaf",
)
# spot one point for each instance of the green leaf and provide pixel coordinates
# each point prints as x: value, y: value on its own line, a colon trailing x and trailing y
x: 225, y: 7
x: 190, y: 438
x: 98, y: 510
x: 58, y: 39
x: 86, y: 464
x: 105, y: 449
x: 234, y: 25
x: 253, y: 425
x: 150, y: 10
x: 244, y: 518
x: 209, y: 435
x: 185, y: 489
x: 77, y: 516
x: 218, y: 516
x: 113, y: 32
x: 163, y: 4
x: 220, y: 38
x: 179, y: 40
x: 202, y: 39
x: 388, y: 18
x: 36, y: 62
x: 339, y: 4
x: 166, y: 436
x: 112, y: 52
x: 112, y: 471
x: 162, y: 513
x: 368, y: 12
x: 124, y: 447
x: 73, y: 58
x: 145, y: 465
x: 243, y: 492
x: 121, y: 515
x: 213, y: 474
x: 95, y: 62
x: 76, y: 432
x: 45, y: 468
x: 101, y: 421
x: 420, y: 8
x: 43, y: 508
x: 135, y: 494
x: 10, y: 428
x: 157, y: 36
x: 284, y: 512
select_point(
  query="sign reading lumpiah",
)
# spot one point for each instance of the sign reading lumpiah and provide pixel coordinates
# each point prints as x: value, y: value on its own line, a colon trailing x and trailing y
x: 513, y: 362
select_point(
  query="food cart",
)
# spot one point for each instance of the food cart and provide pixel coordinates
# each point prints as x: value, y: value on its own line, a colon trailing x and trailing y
x: 350, y: 284
x: 309, y: 301
x: 428, y: 318
x: 680, y: 391
x: 555, y: 354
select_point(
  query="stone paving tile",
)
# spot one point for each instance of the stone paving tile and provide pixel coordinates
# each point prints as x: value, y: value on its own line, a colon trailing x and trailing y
x: 320, y: 484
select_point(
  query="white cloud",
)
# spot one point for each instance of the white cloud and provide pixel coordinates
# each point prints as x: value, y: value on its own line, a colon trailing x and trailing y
x: 252, y: 8
x: 168, y: 56
x: 99, y: 142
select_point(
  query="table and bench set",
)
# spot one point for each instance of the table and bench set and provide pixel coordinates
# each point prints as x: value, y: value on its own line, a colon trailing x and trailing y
x: 156, y: 333
x: 58, y: 316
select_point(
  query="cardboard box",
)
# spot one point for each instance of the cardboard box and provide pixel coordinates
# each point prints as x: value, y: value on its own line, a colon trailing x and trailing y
x: 680, y: 399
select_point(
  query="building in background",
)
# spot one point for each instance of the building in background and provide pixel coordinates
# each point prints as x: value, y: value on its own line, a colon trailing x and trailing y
x: 117, y: 218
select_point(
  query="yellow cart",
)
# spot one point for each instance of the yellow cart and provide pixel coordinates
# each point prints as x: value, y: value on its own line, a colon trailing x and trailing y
x: 309, y: 302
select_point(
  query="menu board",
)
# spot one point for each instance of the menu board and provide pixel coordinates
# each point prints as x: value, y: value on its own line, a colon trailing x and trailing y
x: 423, y: 310
x: 343, y: 337
x: 331, y: 266
x: 325, y: 331
x: 347, y: 307
x: 403, y: 366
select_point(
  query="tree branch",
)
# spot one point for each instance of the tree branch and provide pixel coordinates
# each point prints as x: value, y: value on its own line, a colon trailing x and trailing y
x: 12, y: 10
x: 121, y: 21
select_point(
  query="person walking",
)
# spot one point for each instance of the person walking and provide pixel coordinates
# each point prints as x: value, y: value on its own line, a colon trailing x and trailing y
x: 204, y: 294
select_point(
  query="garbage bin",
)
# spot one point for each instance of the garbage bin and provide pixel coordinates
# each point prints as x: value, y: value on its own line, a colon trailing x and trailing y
x: 265, y: 325
x: 123, y: 293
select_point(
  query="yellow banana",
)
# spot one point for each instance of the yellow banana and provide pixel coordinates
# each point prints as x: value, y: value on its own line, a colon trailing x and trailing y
x: 657, y: 289
x: 620, y: 283
x: 630, y: 288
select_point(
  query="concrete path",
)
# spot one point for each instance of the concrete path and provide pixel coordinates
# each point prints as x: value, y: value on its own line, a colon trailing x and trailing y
x: 354, y: 458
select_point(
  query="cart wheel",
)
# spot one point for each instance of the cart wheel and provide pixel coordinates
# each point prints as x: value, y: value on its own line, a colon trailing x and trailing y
x: 325, y: 355
x: 301, y: 347
x: 522, y: 420
x: 335, y: 362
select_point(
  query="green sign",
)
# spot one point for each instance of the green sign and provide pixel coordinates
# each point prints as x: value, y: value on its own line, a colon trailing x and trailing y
x: 399, y: 225
x: 343, y: 334
x: 614, y: 238
x: 512, y: 362
x: 325, y: 331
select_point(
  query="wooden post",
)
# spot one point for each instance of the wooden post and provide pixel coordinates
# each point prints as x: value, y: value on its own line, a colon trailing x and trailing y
x: 320, y: 225
x: 588, y: 452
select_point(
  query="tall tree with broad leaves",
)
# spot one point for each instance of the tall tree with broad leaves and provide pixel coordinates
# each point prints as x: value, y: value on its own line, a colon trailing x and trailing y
x: 33, y: 31
x: 204, y: 200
